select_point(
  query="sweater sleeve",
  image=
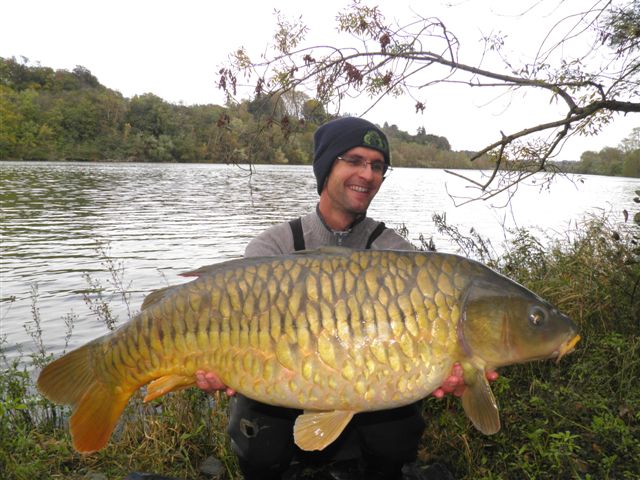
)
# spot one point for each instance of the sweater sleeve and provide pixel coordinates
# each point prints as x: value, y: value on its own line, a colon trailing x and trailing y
x: 276, y: 240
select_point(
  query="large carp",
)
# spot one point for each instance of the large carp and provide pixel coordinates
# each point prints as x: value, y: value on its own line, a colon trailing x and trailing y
x: 333, y: 332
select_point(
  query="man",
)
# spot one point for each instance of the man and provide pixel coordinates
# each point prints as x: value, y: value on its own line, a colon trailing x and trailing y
x: 351, y: 157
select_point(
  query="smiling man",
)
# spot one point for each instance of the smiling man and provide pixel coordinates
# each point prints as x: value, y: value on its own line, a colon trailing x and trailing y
x: 351, y: 159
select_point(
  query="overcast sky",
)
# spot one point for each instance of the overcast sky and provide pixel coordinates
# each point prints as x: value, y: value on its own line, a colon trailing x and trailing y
x: 174, y: 49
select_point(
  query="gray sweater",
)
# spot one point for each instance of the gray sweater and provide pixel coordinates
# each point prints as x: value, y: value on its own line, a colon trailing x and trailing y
x: 278, y: 239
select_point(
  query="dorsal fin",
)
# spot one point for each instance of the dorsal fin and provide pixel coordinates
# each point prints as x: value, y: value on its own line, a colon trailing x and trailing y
x: 154, y: 297
x: 198, y: 272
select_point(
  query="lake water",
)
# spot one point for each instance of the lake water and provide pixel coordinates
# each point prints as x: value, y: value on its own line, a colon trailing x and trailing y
x: 158, y: 220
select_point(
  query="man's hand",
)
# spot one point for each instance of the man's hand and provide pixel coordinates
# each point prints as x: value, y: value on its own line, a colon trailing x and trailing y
x: 454, y: 383
x: 210, y: 382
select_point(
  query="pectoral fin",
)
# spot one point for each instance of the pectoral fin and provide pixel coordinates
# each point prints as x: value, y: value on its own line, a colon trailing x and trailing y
x: 479, y: 403
x: 168, y: 383
x: 316, y: 430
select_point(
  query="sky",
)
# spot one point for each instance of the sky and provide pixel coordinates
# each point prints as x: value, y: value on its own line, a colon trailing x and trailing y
x: 174, y: 50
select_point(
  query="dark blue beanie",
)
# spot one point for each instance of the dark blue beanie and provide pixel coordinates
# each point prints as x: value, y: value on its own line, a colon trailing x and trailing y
x: 338, y: 136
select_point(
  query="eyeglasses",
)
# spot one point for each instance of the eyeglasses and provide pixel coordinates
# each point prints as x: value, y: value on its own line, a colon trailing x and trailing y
x: 378, y: 168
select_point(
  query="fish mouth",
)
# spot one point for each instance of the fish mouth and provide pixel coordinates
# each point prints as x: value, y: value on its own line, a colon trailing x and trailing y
x: 567, y: 347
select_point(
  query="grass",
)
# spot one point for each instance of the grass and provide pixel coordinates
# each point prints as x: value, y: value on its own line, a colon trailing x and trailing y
x: 579, y: 419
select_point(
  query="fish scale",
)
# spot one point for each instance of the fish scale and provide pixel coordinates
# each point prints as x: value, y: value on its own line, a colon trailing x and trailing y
x: 332, y: 332
x: 392, y: 357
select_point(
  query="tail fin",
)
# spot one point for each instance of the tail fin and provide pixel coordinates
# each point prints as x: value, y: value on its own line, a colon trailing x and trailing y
x: 71, y: 380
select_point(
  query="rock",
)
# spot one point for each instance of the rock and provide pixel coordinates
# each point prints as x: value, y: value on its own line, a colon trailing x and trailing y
x: 212, y: 467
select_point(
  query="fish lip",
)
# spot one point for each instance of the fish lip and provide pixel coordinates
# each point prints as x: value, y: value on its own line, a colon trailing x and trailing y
x: 567, y: 347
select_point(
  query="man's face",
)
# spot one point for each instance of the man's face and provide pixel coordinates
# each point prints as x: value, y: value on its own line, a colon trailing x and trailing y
x: 350, y: 188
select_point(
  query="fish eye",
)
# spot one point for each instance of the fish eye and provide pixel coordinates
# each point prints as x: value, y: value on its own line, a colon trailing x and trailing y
x: 537, y: 316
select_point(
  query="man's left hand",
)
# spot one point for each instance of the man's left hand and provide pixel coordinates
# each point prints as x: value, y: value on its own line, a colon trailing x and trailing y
x: 210, y: 383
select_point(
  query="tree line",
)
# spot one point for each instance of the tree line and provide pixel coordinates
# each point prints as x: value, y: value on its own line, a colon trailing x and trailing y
x: 52, y: 114
x: 623, y: 160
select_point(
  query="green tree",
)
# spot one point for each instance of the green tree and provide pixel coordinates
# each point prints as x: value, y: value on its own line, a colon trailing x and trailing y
x: 85, y: 77
x: 588, y: 161
x: 149, y: 113
x: 424, y: 138
x: 10, y: 126
x: 611, y: 161
x: 631, y: 142
x: 80, y: 118
x: 265, y: 106
x: 18, y: 75
x: 631, y: 164
x: 314, y: 112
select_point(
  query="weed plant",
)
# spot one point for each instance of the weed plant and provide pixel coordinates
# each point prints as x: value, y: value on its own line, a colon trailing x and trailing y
x: 579, y: 419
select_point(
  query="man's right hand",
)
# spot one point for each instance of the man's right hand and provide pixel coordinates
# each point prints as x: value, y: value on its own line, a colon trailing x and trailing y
x: 454, y: 383
x: 210, y: 382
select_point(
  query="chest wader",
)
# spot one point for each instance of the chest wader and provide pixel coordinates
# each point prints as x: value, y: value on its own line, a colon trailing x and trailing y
x: 262, y: 435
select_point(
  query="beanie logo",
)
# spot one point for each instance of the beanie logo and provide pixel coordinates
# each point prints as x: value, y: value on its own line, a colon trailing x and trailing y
x: 374, y: 139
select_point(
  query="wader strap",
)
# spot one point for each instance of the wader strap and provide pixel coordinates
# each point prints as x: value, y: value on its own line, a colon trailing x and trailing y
x: 298, y: 237
x: 375, y: 234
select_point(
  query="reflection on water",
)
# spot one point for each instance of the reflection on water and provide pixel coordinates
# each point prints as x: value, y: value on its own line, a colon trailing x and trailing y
x: 160, y: 220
